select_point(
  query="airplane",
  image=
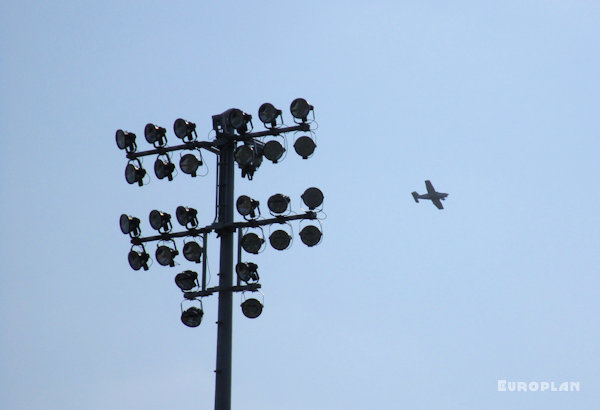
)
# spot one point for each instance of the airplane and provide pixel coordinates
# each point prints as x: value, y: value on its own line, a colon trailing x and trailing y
x: 432, y: 194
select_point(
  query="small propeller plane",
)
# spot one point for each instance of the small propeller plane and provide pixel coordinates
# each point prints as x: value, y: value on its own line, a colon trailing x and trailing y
x: 432, y: 194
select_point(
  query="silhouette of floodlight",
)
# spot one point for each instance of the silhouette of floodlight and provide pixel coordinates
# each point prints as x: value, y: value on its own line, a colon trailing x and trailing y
x: 280, y: 240
x: 300, y: 109
x: 312, y: 198
x: 189, y: 164
x: 273, y: 151
x: 186, y: 280
x: 134, y: 173
x: 130, y: 225
x: 252, y: 243
x: 165, y: 255
x: 155, y: 135
x: 305, y: 146
x: 267, y: 113
x: 184, y: 129
x: 126, y: 140
x: 192, y: 317
x: 246, y: 206
x: 138, y: 259
x: 192, y: 251
x: 252, y: 308
x: 310, y: 235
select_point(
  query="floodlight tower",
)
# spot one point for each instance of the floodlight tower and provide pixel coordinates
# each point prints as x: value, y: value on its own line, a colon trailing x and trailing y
x: 234, y: 142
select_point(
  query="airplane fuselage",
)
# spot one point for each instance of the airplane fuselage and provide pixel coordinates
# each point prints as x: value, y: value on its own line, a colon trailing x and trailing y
x: 432, y: 196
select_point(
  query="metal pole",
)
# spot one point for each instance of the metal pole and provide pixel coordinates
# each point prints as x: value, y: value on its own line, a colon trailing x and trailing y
x: 224, y: 323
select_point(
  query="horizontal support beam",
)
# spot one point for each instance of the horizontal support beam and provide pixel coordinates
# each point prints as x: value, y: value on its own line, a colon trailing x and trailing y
x: 209, y: 146
x: 253, y: 223
x: 252, y: 287
x: 274, y: 131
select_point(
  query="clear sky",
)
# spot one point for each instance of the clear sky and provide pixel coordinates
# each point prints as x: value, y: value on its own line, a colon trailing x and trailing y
x: 401, y: 305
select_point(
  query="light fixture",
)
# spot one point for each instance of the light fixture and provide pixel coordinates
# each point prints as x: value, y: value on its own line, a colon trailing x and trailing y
x: 310, y: 235
x: 247, y: 271
x: 268, y: 114
x: 155, y: 135
x: 280, y: 240
x: 252, y: 243
x: 305, y: 147
x: 164, y: 168
x: 126, y: 140
x: 135, y: 173
x: 238, y: 120
x: 248, y: 160
x: 252, y: 308
x: 189, y: 164
x: 244, y: 155
x: 161, y: 221
x: 192, y: 251
x: 278, y: 203
x: 184, y: 129
x: 186, y: 280
x: 192, y: 317
x: 246, y: 206
x: 312, y: 198
x: 273, y: 150
x: 300, y: 109
x: 130, y: 225
x: 187, y: 217
x: 166, y: 255
x: 138, y: 259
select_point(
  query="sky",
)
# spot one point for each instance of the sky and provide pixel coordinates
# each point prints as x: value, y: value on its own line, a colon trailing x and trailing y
x: 401, y: 305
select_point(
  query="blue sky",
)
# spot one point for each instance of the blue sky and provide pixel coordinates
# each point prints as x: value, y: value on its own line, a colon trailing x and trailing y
x: 401, y: 305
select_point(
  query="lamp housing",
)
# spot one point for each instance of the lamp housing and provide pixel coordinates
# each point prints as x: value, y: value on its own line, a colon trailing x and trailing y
x: 247, y: 271
x: 300, y: 108
x: 163, y: 168
x: 161, y: 221
x: 267, y: 113
x: 305, y: 146
x: 138, y: 259
x: 280, y: 240
x: 273, y: 151
x: 252, y: 308
x: 130, y: 225
x: 184, y: 130
x: 134, y: 173
x: 125, y: 140
x: 192, y: 317
x: 312, y: 198
x: 187, y: 217
x: 278, y: 203
x: 189, y: 164
x: 186, y: 280
x: 192, y: 251
x: 310, y: 235
x: 155, y: 135
x: 246, y: 206
x: 166, y: 255
x: 252, y: 243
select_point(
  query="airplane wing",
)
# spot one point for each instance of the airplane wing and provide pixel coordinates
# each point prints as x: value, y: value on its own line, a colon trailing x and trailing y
x: 437, y: 203
x: 430, y: 189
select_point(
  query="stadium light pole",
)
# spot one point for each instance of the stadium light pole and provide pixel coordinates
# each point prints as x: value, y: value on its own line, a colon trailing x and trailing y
x: 232, y: 127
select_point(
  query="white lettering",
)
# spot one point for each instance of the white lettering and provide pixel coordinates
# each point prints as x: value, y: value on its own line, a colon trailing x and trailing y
x: 501, y: 385
x: 533, y: 386
x: 512, y: 386
x: 564, y: 386
x: 574, y: 386
x: 521, y: 386
x: 544, y: 386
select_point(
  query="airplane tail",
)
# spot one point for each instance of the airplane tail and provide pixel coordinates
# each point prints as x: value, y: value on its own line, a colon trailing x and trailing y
x: 415, y: 196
